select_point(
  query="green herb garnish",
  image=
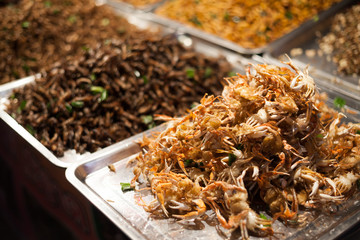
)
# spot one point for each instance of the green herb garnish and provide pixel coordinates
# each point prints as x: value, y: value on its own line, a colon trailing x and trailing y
x: 21, y: 107
x: 25, y: 24
x: 232, y: 158
x: 239, y: 147
x: 105, y: 21
x: 146, y: 80
x: 47, y: 4
x: 92, y: 77
x: 26, y: 68
x: 226, y: 16
x: 188, y: 162
x: 316, y: 18
x: 190, y: 73
x: 56, y: 11
x: 146, y: 119
x: 339, y: 102
x: 208, y: 72
x: 320, y: 135
x: 30, y: 129
x: 103, y: 95
x: 231, y: 74
x: 357, y: 131
x: 96, y: 89
x: 72, y: 19
x: 77, y: 104
x: 289, y: 15
x: 264, y: 217
x: 68, y: 107
x: 125, y: 187
x: 195, y: 20
x: 85, y: 48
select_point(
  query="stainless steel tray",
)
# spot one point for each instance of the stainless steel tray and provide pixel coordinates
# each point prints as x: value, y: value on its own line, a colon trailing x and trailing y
x: 131, y: 8
x: 101, y: 186
x: 296, y: 33
x: 319, y: 66
x: 71, y: 156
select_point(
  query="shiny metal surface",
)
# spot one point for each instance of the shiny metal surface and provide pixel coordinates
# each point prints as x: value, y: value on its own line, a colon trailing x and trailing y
x: 93, y: 178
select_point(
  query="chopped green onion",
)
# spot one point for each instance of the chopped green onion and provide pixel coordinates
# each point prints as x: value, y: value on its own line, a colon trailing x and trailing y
x: 68, y: 107
x: 320, y: 135
x: 146, y: 80
x: 231, y: 74
x: 85, y: 48
x: 232, y: 158
x: 104, y: 95
x: 316, y: 18
x: 22, y: 106
x: 77, y: 104
x: 289, y: 15
x: 263, y: 216
x: 105, y: 21
x: 357, y: 131
x: 72, y: 19
x: 146, y: 119
x: 125, y: 187
x: 190, y: 72
x: 47, y: 4
x: 25, y: 24
x: 26, y: 68
x: 188, y: 162
x: 339, y: 102
x: 93, y: 77
x: 30, y: 129
x: 226, y: 16
x: 239, y: 147
x: 96, y: 89
x: 151, y: 125
x: 208, y: 72
x: 56, y: 11
x: 195, y: 20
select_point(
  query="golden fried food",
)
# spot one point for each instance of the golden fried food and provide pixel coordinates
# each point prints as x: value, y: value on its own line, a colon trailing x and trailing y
x: 267, y: 136
x: 250, y: 24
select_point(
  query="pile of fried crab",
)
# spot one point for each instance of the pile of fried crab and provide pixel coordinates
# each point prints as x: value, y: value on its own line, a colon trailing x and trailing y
x: 269, y: 135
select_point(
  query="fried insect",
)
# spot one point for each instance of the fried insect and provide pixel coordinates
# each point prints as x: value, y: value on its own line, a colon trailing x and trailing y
x: 267, y: 135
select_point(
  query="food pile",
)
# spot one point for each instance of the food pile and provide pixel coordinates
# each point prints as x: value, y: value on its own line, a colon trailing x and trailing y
x: 111, y: 93
x: 267, y: 136
x: 251, y: 24
x: 343, y: 41
x: 36, y: 34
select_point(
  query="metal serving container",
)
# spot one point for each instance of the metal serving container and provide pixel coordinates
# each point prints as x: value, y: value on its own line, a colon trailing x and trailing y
x: 100, y: 185
x: 131, y: 8
x: 325, y: 71
x: 13, y: 128
x: 277, y: 44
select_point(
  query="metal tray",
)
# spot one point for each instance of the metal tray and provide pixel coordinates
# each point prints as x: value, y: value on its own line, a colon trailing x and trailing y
x: 297, y: 32
x: 93, y: 178
x: 127, y: 7
x: 321, y: 68
x: 71, y: 156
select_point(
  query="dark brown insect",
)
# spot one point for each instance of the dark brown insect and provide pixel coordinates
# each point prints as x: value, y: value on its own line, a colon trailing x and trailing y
x: 112, y: 92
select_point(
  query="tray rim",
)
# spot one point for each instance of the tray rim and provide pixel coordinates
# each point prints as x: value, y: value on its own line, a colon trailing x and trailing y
x: 224, y: 43
x: 76, y: 176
